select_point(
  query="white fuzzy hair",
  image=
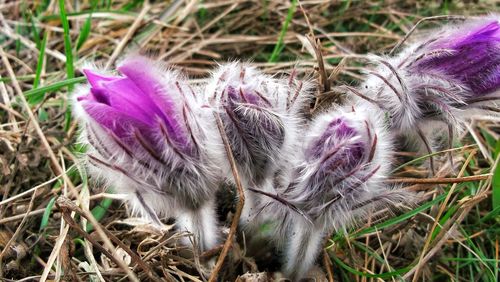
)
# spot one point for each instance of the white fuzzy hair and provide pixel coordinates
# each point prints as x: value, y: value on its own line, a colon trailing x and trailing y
x: 310, y: 210
x: 284, y: 97
x: 183, y: 188
x: 405, y: 95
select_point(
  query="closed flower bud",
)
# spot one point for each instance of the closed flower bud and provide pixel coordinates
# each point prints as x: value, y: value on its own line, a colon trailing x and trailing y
x: 443, y: 78
x: 338, y: 180
x: 259, y: 114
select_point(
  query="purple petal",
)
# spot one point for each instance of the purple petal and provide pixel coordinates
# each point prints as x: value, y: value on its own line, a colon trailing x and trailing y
x: 95, y: 79
x: 97, y: 93
x: 141, y: 72
x: 100, y: 96
x: 114, y: 120
x: 244, y: 96
x: 474, y: 59
x: 336, y: 129
x: 125, y: 97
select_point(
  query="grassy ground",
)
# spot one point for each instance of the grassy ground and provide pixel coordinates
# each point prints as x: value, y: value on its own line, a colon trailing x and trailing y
x: 452, y: 233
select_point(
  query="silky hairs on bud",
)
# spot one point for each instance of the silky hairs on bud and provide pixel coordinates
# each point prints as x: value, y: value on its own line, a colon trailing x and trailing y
x: 339, y: 180
x: 259, y: 113
x: 445, y: 77
x: 145, y: 140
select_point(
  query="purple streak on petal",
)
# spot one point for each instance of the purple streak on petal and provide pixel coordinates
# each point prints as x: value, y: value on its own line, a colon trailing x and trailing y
x: 97, y: 93
x: 141, y: 72
x: 231, y: 93
x: 348, y: 156
x: 243, y: 96
x: 487, y: 33
x: 100, y: 95
x: 95, y: 79
x: 121, y: 125
x: 338, y: 157
x: 474, y: 59
x: 336, y: 128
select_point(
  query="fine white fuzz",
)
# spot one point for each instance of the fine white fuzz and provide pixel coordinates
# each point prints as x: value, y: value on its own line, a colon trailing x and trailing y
x: 337, y: 181
x: 145, y: 140
x: 439, y: 81
x: 259, y: 113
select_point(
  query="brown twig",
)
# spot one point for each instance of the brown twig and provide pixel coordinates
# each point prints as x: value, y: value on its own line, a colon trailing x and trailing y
x: 64, y: 204
x: 327, y: 263
x: 135, y: 25
x: 439, y: 180
x: 241, y: 201
x: 421, y: 260
x: 32, y: 118
x: 18, y: 230
x: 69, y: 205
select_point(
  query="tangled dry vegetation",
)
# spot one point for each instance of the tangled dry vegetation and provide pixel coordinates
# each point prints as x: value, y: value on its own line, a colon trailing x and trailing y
x: 57, y: 224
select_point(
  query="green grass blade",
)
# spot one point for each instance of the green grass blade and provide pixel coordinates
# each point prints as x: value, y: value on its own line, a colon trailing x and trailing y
x: 35, y: 99
x: 46, y: 213
x: 84, y: 32
x: 54, y: 87
x: 279, y: 45
x: 400, y: 218
x: 99, y: 211
x: 496, y: 186
x: 34, y: 29
x: 385, y: 275
x: 70, y: 70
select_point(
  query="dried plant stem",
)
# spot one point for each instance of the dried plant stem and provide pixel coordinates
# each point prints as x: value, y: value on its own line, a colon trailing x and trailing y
x: 34, y: 120
x: 440, y: 180
x: 18, y: 230
x: 7, y: 107
x: 441, y: 211
x: 241, y: 200
x: 130, y: 32
x: 87, y: 215
x: 434, y: 18
x: 64, y: 204
x: 32, y: 190
x: 328, y: 266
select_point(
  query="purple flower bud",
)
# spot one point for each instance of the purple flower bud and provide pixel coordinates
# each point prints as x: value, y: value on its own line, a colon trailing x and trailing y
x: 438, y: 82
x: 345, y: 158
x: 147, y: 141
x: 136, y: 108
x: 470, y: 56
x: 258, y: 123
x: 260, y: 115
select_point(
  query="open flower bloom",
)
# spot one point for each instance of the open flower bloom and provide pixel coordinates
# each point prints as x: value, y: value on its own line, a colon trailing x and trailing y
x: 146, y: 141
x: 432, y: 87
x: 468, y: 57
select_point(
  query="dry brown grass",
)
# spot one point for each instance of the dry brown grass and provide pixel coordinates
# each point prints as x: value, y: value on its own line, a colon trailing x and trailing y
x: 42, y: 238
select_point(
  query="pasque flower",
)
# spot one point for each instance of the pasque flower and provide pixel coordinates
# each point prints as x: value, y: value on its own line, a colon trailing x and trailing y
x: 338, y: 178
x: 152, y: 137
x: 259, y: 113
x: 146, y: 141
x: 439, y: 80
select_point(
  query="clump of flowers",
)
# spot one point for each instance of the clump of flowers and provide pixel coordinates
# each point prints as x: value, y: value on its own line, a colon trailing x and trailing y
x: 154, y: 137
